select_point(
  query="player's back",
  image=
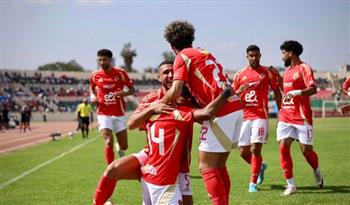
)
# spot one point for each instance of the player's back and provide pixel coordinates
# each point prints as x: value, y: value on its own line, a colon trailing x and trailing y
x: 204, y: 76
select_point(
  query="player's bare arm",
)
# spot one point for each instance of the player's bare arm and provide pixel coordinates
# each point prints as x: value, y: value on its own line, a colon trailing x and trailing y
x: 131, y: 91
x: 305, y: 92
x: 174, y: 92
x: 93, y: 94
x: 213, y: 107
x: 277, y: 92
x: 138, y: 118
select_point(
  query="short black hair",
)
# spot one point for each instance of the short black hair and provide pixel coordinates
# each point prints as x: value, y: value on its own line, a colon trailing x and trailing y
x: 180, y: 34
x: 166, y: 62
x: 105, y: 52
x: 253, y: 48
x: 293, y: 46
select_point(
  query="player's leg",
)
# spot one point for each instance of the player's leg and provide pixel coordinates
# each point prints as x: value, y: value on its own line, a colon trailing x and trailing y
x: 255, y: 166
x: 212, y: 178
x: 244, y: 141
x: 186, y: 188
x: 120, y: 128
x: 108, y: 137
x: 106, y: 127
x: 125, y: 168
x: 305, y: 133
x: 286, y: 134
x: 224, y: 174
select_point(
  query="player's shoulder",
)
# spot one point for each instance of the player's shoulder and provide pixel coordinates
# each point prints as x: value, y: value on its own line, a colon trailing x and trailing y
x: 94, y: 73
x: 150, y: 97
x: 240, y: 72
x: 119, y: 70
x: 306, y: 67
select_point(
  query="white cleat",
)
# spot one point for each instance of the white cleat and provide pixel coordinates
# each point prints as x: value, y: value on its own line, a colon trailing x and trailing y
x: 318, y: 177
x: 289, y: 191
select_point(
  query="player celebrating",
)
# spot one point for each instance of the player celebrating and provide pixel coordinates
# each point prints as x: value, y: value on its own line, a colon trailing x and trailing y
x: 295, y: 116
x: 129, y: 166
x: 168, y: 135
x: 107, y: 91
x: 344, y: 110
x: 252, y: 84
x: 206, y: 80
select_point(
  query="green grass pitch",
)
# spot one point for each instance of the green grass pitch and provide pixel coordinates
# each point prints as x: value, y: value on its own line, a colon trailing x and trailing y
x: 72, y: 178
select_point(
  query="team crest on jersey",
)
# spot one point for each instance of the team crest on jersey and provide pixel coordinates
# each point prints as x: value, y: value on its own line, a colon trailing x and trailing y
x: 154, y: 117
x: 244, y: 78
x: 116, y: 79
x: 148, y: 168
x: 100, y: 80
x: 262, y: 76
x: 295, y: 76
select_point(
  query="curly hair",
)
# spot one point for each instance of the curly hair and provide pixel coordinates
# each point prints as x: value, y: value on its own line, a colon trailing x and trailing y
x: 180, y: 34
x: 293, y: 46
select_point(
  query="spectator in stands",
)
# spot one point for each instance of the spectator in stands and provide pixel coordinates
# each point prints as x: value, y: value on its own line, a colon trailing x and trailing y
x: 84, y: 110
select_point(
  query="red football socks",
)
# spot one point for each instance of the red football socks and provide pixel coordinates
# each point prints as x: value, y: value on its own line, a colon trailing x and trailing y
x: 226, y: 178
x: 104, y: 190
x: 214, y: 183
x: 312, y: 158
x: 255, y: 168
x: 286, y: 161
x: 109, y: 154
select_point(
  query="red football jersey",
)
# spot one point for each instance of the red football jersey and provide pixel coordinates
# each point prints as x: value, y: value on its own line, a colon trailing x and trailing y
x: 107, y: 83
x: 298, y: 109
x: 255, y: 98
x: 346, y: 85
x: 167, y: 136
x: 186, y: 153
x: 204, y: 77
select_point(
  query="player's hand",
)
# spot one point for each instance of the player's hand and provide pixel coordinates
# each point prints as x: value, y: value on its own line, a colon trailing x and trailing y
x: 119, y: 94
x: 159, y: 108
x: 242, y: 88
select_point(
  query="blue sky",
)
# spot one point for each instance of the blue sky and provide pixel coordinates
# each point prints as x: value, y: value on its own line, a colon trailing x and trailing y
x: 34, y: 33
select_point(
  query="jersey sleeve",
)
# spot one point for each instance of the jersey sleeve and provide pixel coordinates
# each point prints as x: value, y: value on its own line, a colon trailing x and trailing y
x: 92, y: 80
x: 235, y: 83
x: 308, y: 75
x: 181, y: 67
x: 126, y: 79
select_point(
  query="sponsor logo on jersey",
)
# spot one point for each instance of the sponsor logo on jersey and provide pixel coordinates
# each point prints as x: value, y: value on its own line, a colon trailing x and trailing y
x: 108, y: 86
x: 295, y: 76
x: 148, y: 168
x: 251, y: 97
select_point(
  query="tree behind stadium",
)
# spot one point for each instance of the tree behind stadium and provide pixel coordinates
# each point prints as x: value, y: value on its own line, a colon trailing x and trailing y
x: 72, y: 65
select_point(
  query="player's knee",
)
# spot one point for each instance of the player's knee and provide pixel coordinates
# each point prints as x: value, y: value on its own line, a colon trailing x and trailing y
x: 112, y: 170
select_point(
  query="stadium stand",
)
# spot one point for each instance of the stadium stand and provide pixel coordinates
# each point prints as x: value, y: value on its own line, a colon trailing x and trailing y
x: 59, y: 91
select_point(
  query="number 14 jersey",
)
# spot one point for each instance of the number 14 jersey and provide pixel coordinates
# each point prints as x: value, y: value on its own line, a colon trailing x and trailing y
x: 167, y: 136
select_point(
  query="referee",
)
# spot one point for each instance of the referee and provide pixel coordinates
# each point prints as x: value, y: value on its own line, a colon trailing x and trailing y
x: 84, y: 110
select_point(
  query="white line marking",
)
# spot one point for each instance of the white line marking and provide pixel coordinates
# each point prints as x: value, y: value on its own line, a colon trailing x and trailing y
x: 13, y: 180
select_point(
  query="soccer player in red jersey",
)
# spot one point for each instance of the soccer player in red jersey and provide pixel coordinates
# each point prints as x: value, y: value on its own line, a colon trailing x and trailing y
x: 205, y: 79
x: 295, y: 116
x: 252, y: 84
x: 345, y: 109
x: 107, y: 90
x: 129, y: 166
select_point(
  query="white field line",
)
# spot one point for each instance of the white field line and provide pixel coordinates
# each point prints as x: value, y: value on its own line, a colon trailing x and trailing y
x: 13, y: 180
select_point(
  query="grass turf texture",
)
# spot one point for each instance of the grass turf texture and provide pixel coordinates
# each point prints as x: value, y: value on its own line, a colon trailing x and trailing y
x: 72, y: 179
